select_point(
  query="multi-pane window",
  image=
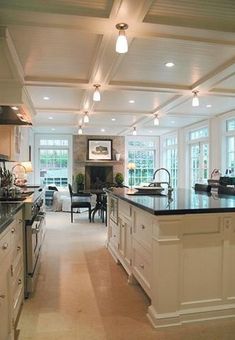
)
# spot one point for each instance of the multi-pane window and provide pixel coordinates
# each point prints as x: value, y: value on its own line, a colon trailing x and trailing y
x: 230, y: 145
x: 141, y: 152
x: 53, y: 160
x: 199, y: 156
x: 170, y: 158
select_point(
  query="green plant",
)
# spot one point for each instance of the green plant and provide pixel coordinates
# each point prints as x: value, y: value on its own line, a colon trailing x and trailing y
x: 80, y: 178
x: 119, y: 178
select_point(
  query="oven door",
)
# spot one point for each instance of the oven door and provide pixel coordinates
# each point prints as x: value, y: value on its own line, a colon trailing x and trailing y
x: 35, y: 235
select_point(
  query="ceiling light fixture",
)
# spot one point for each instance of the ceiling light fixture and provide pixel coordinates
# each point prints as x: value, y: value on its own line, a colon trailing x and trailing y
x: 50, y: 117
x: 80, y: 130
x: 131, y: 101
x: 169, y: 64
x: 15, y: 108
x: 102, y: 130
x: 209, y: 106
x: 195, y: 101
x: 96, y: 94
x: 113, y: 119
x: 121, y: 43
x: 46, y: 98
x: 156, y: 120
x: 86, y: 117
x: 134, y: 131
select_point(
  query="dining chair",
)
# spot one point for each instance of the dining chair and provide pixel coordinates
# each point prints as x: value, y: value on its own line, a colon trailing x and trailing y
x: 79, y: 200
x: 223, y: 190
x: 202, y: 187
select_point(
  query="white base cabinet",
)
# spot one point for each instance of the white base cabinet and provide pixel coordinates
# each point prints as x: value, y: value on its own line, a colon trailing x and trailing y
x: 11, y: 278
x: 185, y: 263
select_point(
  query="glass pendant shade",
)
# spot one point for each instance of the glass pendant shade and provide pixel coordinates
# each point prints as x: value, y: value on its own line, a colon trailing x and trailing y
x: 121, y: 43
x: 96, y: 94
x: 134, y: 132
x: 156, y: 121
x: 86, y: 118
x: 195, y: 101
x: 80, y: 130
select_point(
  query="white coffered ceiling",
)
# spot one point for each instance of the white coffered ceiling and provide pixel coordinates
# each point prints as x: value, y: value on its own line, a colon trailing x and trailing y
x: 61, y: 48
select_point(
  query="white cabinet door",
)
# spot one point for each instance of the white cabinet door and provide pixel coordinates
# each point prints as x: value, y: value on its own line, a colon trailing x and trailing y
x: 125, y: 245
x: 5, y: 323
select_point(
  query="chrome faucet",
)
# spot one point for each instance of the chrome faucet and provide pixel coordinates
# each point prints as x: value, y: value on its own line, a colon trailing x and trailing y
x: 169, y: 187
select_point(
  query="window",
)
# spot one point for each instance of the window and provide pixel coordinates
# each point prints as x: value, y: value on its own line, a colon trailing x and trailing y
x: 170, y: 158
x: 199, y: 156
x: 53, y: 160
x: 141, y: 152
x: 230, y: 145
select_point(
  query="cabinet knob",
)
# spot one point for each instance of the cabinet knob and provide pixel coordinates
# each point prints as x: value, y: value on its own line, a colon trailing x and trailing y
x: 2, y: 296
x: 142, y: 266
x: 13, y: 230
x: 142, y: 226
x: 5, y: 246
x: 20, y: 220
x: 19, y: 282
x: 18, y: 248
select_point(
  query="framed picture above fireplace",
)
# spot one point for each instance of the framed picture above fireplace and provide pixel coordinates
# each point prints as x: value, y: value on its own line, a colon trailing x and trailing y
x: 99, y: 149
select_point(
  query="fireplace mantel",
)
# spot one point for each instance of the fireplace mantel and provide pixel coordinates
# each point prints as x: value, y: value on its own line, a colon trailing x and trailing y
x: 96, y: 162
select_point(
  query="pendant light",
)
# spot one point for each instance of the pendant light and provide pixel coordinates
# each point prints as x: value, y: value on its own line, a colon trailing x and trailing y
x: 156, y: 120
x: 121, y: 43
x: 80, y: 130
x: 96, y: 94
x: 86, y: 117
x: 195, y: 101
x: 134, y: 131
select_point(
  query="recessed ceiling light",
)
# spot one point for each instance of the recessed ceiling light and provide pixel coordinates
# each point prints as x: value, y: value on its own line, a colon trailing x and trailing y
x: 208, y: 106
x: 46, y: 98
x: 172, y: 122
x: 102, y: 130
x: 50, y: 117
x: 131, y: 101
x: 113, y: 119
x: 150, y: 131
x: 52, y: 129
x: 169, y: 64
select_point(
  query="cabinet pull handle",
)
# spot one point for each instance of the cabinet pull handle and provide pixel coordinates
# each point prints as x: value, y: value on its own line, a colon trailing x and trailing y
x: 142, y: 266
x: 13, y: 230
x: 20, y: 220
x: 19, y: 282
x: 5, y: 246
x: 18, y: 248
x: 142, y: 226
x: 2, y: 296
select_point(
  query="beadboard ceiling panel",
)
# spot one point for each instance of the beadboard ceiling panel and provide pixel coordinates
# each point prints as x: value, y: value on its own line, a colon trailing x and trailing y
x: 206, y: 14
x: 94, y: 8
x: 54, y: 53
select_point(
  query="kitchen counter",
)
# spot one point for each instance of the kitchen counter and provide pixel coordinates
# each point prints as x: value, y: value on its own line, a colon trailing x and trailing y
x: 180, y: 251
x: 7, y: 211
x: 183, y: 201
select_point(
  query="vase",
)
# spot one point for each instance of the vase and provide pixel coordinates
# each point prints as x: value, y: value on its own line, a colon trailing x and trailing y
x: 117, y: 156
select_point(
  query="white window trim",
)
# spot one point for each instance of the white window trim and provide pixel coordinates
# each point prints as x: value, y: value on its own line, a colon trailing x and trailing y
x: 156, y: 140
x: 223, y: 119
x: 37, y: 147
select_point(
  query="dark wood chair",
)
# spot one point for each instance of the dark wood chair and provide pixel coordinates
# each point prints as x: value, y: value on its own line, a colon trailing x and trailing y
x: 223, y: 190
x: 202, y: 187
x: 79, y: 200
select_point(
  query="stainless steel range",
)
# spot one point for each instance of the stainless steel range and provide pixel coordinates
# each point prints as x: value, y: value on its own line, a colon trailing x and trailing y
x: 34, y: 234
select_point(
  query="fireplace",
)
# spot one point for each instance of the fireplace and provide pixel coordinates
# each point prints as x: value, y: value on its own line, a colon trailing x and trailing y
x: 97, y: 176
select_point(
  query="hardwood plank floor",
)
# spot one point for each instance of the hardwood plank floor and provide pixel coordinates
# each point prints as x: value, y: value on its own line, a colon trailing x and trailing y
x: 83, y: 294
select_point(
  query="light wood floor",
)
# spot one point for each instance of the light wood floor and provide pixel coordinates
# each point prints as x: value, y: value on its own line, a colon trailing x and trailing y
x: 82, y: 294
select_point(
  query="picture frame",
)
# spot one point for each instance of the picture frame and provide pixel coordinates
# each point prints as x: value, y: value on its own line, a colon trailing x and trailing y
x: 99, y: 149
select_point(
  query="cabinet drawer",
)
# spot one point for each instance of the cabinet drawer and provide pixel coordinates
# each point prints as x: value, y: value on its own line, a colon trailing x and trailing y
x: 142, y: 229
x: 142, y: 265
x: 124, y: 208
x: 18, y: 292
x: 5, y: 245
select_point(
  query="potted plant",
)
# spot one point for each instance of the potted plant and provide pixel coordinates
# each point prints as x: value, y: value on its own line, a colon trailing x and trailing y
x: 119, y: 179
x: 80, y: 180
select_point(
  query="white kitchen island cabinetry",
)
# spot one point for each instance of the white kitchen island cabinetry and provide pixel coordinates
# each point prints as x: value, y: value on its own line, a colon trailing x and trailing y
x: 184, y: 261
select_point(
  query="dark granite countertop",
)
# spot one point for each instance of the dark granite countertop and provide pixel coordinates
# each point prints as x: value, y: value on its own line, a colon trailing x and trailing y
x: 7, y: 212
x: 184, y: 201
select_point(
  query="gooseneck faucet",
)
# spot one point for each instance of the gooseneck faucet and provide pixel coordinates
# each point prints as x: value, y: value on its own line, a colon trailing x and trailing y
x: 169, y: 187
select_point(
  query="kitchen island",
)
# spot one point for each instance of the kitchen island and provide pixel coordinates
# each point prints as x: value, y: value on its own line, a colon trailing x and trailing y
x: 180, y: 250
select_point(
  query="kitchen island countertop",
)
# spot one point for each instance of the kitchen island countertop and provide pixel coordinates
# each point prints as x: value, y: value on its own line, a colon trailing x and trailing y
x: 183, y: 201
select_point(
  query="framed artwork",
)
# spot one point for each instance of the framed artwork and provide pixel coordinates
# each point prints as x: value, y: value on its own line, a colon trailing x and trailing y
x: 99, y: 149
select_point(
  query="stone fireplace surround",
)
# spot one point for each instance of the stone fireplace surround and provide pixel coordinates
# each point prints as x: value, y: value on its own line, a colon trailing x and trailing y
x: 80, y: 162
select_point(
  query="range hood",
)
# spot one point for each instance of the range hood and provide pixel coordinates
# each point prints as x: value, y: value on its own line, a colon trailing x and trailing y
x: 13, y: 115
